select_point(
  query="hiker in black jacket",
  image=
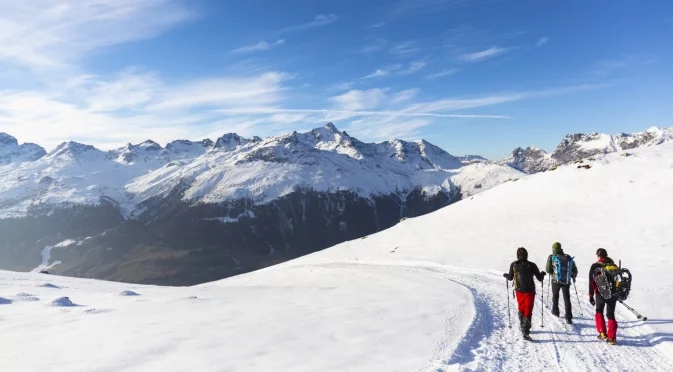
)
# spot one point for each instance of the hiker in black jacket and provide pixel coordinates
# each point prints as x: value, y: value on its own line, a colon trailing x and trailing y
x: 608, y: 333
x: 522, y: 272
x: 562, y: 270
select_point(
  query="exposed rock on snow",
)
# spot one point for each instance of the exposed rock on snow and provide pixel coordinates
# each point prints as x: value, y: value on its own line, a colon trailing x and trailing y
x: 126, y: 293
x: 580, y: 146
x: 48, y: 285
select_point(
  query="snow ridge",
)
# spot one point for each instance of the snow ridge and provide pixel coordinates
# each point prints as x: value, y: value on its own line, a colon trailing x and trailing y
x: 323, y: 159
x: 580, y: 145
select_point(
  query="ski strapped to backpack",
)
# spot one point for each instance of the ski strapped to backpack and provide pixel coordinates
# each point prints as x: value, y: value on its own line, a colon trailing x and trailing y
x: 563, y: 268
x: 612, y: 281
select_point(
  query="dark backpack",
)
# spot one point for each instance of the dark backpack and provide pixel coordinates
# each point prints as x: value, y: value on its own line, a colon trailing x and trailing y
x: 613, y: 281
x: 563, y: 268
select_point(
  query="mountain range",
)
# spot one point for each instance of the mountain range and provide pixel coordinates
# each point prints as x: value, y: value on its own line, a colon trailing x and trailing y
x: 192, y: 212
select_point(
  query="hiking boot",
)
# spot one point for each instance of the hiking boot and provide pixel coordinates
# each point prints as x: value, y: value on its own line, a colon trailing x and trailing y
x: 527, y: 337
x: 602, y: 336
x: 569, y: 321
x: 612, y: 341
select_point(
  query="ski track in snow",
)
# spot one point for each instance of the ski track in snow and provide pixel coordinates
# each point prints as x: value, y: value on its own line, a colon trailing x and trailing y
x: 490, y: 345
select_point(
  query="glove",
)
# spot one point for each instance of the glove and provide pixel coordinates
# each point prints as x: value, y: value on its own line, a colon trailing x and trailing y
x: 592, y: 300
x: 505, y: 275
x: 543, y: 274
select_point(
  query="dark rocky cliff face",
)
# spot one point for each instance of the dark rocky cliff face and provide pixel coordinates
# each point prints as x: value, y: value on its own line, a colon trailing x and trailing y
x: 173, y: 243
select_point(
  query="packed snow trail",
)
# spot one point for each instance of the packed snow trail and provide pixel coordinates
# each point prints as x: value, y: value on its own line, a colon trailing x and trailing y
x: 490, y: 345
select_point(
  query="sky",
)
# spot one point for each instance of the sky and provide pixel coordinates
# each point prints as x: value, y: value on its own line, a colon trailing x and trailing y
x: 471, y: 76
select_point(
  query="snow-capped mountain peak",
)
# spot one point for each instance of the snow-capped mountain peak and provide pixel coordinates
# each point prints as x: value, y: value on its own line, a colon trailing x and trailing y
x: 581, y: 145
x: 7, y: 140
x: 74, y: 150
x: 12, y: 152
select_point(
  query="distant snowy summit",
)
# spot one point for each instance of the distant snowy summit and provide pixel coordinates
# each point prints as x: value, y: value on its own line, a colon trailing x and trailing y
x: 12, y: 152
x: 579, y: 146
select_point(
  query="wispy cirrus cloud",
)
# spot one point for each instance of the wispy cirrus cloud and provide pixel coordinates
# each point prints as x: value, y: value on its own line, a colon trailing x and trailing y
x: 406, y: 47
x: 414, y: 66
x: 373, y: 47
x: 483, y: 54
x: 319, y: 20
x: 384, y: 71
x: 259, y: 47
x: 51, y: 34
x: 403, y: 8
x: 397, y: 69
x: 136, y: 105
x: 542, y: 41
x: 443, y: 73
x: 355, y: 100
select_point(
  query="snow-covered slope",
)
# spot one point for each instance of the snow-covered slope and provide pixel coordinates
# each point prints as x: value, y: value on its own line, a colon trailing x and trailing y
x: 580, y: 146
x: 425, y: 295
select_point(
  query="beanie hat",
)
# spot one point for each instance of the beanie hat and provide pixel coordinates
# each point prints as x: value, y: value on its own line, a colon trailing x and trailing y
x: 556, y: 248
x: 521, y: 254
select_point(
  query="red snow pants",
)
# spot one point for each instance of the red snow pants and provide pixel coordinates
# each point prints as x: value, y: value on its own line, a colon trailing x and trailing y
x: 526, y: 300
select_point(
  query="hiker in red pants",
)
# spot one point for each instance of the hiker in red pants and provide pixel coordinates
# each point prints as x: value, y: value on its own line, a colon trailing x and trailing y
x: 522, y: 272
x: 604, y: 266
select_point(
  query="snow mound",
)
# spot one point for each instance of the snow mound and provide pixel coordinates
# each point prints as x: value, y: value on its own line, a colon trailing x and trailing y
x: 61, y: 302
x: 126, y: 293
x: 5, y: 301
x: 48, y: 285
x: 25, y: 297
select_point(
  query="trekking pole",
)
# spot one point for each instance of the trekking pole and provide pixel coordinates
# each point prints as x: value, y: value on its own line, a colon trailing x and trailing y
x: 509, y: 314
x: 578, y: 299
x: 548, y: 289
x: 633, y: 311
x: 542, y: 307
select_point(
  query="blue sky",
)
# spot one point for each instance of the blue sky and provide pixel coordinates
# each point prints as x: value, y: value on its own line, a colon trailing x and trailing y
x: 472, y: 76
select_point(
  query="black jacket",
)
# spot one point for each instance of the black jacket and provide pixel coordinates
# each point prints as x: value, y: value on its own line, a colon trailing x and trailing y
x: 523, y: 272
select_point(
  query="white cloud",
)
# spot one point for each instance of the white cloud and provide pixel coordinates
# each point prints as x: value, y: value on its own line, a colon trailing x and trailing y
x: 414, y: 67
x: 542, y: 41
x: 405, y: 95
x: 374, y: 47
x: 384, y: 71
x: 406, y: 47
x: 343, y: 86
x: 261, y: 46
x: 354, y: 100
x: 48, y: 34
x: 319, y: 20
x: 378, y: 73
x: 135, y: 105
x: 442, y: 73
x: 483, y: 55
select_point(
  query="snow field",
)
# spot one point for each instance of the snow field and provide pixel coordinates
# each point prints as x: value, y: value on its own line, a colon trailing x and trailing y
x: 425, y: 295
